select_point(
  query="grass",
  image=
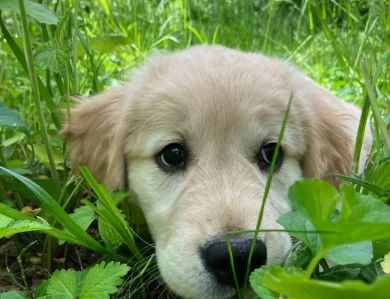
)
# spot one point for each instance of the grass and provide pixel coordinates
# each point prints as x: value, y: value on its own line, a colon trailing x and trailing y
x: 344, y: 45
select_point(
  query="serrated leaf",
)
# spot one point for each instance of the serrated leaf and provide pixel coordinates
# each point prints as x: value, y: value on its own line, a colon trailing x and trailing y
x: 314, y: 199
x: 62, y: 285
x: 83, y: 216
x: 297, y: 286
x: 11, y: 120
x: 362, y: 218
x: 10, y: 227
x: 386, y: 263
x: 41, y: 290
x: 38, y: 11
x: 109, y: 277
x: 108, y: 234
x: 51, y: 56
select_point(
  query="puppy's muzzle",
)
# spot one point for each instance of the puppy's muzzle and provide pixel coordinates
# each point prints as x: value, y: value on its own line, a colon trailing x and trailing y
x: 216, y: 257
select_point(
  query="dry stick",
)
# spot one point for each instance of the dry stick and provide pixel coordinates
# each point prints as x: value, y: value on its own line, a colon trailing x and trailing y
x: 36, y: 96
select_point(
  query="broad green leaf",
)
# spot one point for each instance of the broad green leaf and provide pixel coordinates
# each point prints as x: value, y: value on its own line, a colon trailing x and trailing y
x: 314, y: 199
x: 41, y: 290
x: 108, y: 277
x: 38, y: 11
x: 41, y: 154
x: 15, y: 138
x: 381, y: 248
x: 10, y: 227
x: 294, y: 221
x: 105, y: 44
x: 13, y: 295
x: 372, y: 272
x: 358, y: 253
x: 83, y: 216
x: 362, y: 218
x: 297, y: 286
x: 386, y: 263
x: 62, y: 285
x: 11, y: 120
x: 339, y: 273
x: 51, y: 56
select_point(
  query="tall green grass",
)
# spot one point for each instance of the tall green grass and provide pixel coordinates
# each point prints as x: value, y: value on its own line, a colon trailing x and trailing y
x: 344, y: 45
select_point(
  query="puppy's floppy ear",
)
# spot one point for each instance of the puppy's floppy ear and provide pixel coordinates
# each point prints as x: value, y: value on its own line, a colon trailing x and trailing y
x: 92, y: 132
x: 330, y: 138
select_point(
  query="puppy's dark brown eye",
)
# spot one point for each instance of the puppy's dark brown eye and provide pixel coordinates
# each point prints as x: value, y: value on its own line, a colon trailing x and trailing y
x: 172, y: 157
x: 266, y: 154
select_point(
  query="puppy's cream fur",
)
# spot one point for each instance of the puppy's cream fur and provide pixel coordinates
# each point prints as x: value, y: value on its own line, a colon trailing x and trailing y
x: 222, y: 104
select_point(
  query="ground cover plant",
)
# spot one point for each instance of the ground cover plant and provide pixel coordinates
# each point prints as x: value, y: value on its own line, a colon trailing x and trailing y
x: 59, y: 234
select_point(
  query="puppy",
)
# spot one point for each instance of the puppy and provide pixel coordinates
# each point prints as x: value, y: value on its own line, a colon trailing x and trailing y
x: 193, y: 135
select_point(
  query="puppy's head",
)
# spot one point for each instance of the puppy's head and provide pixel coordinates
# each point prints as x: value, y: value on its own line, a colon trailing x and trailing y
x: 193, y: 135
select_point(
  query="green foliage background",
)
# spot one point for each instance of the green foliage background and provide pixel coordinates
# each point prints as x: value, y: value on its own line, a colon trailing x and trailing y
x: 82, y: 47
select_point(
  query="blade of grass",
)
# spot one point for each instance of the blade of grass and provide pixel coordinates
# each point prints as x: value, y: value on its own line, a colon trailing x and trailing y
x: 266, y: 191
x: 56, y: 211
x: 374, y: 107
x: 113, y: 216
x: 36, y: 96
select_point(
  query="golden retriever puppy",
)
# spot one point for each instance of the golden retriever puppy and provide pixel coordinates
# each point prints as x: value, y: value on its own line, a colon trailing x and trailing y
x: 193, y: 134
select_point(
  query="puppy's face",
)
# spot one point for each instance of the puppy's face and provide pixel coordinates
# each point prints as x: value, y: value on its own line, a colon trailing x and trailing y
x: 195, y: 132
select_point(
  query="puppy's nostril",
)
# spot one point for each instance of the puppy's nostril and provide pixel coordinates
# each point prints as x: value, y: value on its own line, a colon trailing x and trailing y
x: 216, y: 257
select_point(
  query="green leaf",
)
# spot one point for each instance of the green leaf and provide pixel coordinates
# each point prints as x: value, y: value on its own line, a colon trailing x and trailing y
x: 13, y: 295
x: 339, y: 273
x: 38, y: 11
x: 62, y: 285
x: 108, y: 277
x: 314, y: 199
x: 110, y: 212
x: 358, y: 253
x: 11, y: 120
x: 83, y: 216
x: 297, y: 286
x: 56, y: 210
x: 386, y: 263
x: 51, y: 56
x: 41, y: 154
x: 41, y: 290
x: 381, y: 248
x: 9, y: 226
x: 372, y: 272
x: 294, y: 221
x: 108, y: 234
x: 105, y: 44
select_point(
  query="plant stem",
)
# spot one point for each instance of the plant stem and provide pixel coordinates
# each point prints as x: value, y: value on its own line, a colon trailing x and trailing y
x: 313, y: 263
x: 75, y: 30
x: 36, y: 96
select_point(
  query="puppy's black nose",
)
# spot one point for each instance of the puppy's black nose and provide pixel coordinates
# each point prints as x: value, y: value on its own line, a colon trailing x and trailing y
x: 215, y: 255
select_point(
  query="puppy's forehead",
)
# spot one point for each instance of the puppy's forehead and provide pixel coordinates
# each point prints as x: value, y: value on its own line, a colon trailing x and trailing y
x: 213, y: 92
x: 218, y: 83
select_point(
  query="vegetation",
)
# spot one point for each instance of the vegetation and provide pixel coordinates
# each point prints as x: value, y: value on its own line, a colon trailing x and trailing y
x: 49, y: 219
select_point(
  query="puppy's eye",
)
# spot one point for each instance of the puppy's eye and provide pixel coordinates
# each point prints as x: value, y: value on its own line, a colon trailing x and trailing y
x: 172, y: 157
x: 266, y: 154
